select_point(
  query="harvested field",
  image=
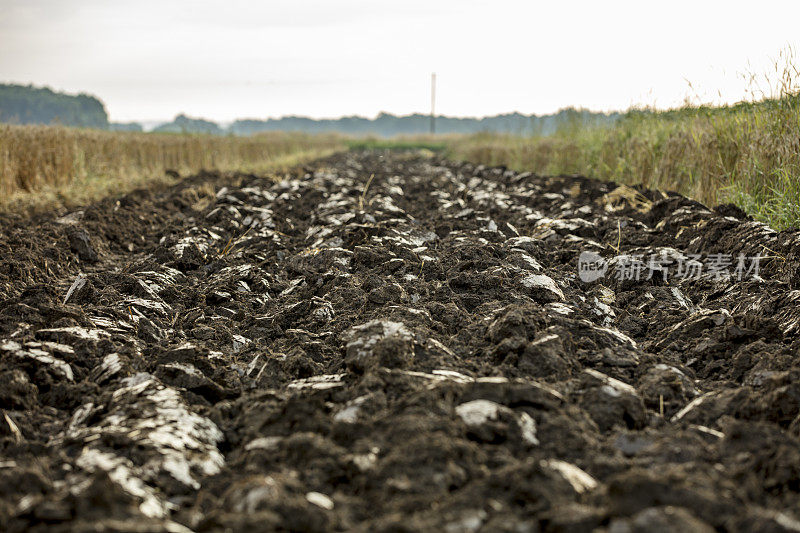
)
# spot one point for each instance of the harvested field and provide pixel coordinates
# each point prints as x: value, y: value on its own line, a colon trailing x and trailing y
x: 388, y: 342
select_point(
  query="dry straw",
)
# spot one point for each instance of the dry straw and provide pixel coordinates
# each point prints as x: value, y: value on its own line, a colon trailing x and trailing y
x: 42, y: 164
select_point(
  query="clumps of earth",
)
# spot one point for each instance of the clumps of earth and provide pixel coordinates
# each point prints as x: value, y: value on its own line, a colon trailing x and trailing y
x: 383, y: 341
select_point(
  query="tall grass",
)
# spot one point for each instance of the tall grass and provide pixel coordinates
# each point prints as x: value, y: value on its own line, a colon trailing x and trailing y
x: 748, y: 153
x: 40, y: 165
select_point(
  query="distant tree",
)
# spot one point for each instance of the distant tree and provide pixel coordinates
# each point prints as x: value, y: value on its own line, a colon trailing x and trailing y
x: 125, y: 126
x: 184, y: 124
x: 25, y: 104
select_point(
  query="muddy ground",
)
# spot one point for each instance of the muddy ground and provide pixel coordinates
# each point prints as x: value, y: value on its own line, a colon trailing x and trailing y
x: 387, y: 342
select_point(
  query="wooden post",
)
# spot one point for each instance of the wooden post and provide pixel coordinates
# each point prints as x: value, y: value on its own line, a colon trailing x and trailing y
x: 433, y: 103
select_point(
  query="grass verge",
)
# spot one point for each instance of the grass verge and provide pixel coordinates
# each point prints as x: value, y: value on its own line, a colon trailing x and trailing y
x: 747, y: 154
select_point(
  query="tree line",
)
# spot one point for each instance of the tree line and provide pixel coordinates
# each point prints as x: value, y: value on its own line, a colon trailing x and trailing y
x: 25, y: 104
x: 388, y: 125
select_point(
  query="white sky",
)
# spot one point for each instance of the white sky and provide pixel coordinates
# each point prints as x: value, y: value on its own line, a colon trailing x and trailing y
x: 152, y: 59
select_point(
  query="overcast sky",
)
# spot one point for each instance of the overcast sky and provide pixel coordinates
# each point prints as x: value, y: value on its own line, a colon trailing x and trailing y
x: 152, y: 59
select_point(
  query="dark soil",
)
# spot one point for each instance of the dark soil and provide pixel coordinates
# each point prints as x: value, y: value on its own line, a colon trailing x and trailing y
x: 239, y: 354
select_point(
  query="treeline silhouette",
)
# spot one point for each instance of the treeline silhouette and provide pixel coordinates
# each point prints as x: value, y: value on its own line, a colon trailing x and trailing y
x: 25, y: 104
x: 184, y: 124
x: 388, y: 125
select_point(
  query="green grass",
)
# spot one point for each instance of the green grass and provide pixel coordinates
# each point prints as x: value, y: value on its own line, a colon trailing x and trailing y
x: 747, y: 154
